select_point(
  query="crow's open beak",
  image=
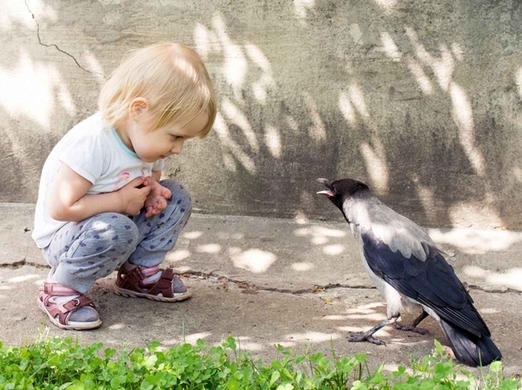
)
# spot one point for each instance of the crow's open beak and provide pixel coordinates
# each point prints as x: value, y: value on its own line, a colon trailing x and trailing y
x: 328, y: 184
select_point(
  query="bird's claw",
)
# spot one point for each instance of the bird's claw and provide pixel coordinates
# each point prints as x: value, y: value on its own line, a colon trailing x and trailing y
x: 359, y: 337
x: 411, y: 328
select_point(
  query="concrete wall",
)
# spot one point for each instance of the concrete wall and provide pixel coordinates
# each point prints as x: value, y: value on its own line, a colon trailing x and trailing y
x: 419, y: 98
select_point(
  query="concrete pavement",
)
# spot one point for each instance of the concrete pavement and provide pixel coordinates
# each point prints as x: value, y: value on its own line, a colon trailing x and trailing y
x: 268, y: 281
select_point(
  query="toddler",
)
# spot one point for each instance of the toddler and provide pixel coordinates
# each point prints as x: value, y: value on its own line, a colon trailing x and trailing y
x: 101, y: 204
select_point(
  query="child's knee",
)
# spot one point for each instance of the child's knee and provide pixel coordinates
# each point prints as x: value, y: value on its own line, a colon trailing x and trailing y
x: 114, y: 229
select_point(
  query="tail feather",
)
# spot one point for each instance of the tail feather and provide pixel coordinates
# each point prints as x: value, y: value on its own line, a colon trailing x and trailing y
x: 469, y: 348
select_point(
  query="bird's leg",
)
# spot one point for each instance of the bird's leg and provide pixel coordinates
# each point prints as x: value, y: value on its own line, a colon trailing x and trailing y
x: 368, y: 335
x: 413, y: 326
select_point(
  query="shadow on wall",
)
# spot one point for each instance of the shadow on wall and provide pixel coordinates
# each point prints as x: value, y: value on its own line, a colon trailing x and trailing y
x: 393, y: 92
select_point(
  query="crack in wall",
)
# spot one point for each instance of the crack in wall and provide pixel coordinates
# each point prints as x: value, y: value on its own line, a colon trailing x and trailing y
x: 55, y: 45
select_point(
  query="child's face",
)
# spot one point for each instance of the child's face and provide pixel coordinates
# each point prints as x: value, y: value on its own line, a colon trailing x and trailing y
x: 167, y: 140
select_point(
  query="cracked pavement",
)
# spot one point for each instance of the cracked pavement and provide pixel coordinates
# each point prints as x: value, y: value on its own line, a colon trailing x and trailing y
x: 268, y: 281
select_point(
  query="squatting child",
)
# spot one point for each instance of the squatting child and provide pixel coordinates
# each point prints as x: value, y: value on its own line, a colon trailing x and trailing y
x: 101, y: 204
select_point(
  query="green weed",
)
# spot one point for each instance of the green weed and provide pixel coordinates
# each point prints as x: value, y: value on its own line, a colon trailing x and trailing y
x: 64, y: 364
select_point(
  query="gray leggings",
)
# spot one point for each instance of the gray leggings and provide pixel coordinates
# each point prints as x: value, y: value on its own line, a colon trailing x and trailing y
x: 82, y: 252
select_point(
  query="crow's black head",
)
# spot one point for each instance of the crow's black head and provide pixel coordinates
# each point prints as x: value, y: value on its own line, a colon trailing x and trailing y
x: 339, y: 190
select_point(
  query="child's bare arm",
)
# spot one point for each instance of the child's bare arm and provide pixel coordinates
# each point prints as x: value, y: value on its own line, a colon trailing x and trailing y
x: 156, y: 175
x: 157, y: 188
x: 68, y: 199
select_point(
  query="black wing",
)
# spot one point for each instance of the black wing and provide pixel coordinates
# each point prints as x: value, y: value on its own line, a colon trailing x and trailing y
x: 432, y: 283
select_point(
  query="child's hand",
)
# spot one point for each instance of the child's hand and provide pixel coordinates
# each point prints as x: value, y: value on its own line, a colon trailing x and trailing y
x: 157, y: 199
x: 134, y: 195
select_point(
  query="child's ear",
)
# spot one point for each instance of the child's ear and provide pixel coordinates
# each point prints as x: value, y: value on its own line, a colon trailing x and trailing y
x: 137, y: 107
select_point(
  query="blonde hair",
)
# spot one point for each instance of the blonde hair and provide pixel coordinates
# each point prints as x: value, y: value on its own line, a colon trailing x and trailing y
x: 173, y: 79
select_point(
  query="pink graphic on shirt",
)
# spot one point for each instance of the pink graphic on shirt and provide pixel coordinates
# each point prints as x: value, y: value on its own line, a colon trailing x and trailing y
x: 123, y: 178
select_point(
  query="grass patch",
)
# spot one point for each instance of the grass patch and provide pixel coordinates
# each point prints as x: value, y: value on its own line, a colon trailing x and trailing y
x: 62, y: 363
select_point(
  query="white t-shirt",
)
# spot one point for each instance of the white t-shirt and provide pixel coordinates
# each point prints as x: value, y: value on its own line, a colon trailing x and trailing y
x: 94, y: 150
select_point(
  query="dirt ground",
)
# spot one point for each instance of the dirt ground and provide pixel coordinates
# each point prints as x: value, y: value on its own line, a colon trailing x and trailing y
x: 265, y: 282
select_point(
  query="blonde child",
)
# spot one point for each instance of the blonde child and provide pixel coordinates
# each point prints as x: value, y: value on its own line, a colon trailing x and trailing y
x: 101, y: 205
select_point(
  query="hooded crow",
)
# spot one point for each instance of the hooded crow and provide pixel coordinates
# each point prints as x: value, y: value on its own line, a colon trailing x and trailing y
x: 409, y: 271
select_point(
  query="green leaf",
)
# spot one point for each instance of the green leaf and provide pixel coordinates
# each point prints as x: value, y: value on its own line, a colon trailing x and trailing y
x: 76, y: 386
x: 109, y: 352
x: 117, y: 381
x: 233, y: 385
x: 275, y: 376
x: 150, y: 361
x: 495, y: 366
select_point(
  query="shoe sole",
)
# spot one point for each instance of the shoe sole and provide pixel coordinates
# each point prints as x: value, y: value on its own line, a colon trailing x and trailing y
x: 134, y: 294
x: 73, y: 326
